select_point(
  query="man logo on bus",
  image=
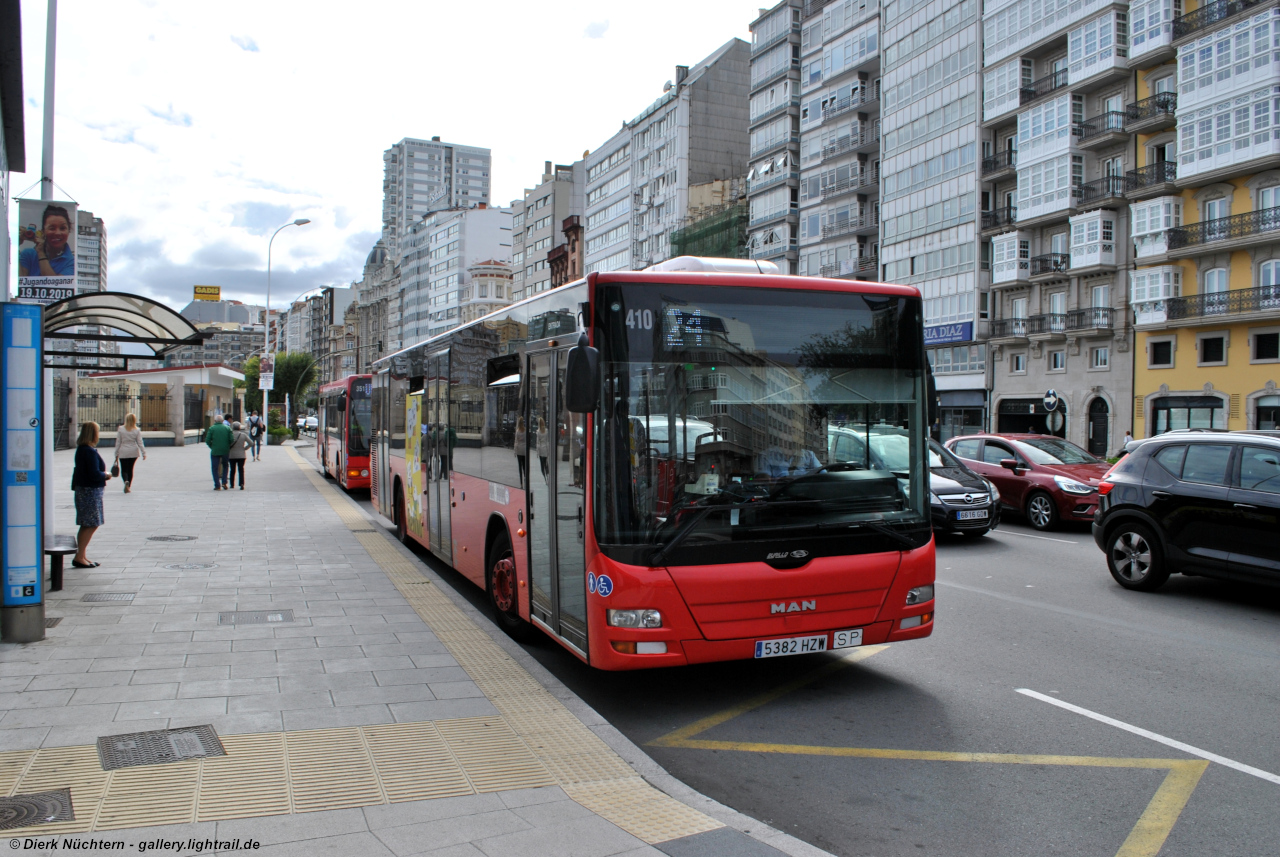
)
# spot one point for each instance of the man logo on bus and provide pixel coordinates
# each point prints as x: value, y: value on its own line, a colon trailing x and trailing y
x: 793, y: 607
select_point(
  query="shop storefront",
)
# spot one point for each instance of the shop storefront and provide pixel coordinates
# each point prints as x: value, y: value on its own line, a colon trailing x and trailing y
x: 960, y: 374
x: 1029, y: 416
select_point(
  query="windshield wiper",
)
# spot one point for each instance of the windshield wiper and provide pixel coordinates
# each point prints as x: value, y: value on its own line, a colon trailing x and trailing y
x: 682, y: 534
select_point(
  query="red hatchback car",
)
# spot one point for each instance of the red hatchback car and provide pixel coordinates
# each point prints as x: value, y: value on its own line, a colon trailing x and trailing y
x: 1042, y: 477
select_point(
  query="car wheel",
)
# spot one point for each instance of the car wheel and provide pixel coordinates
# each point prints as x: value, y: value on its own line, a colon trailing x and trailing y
x: 504, y: 590
x: 1135, y: 558
x: 1042, y: 512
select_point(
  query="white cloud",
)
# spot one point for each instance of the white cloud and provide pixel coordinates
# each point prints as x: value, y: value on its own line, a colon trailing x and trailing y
x: 189, y: 146
x: 596, y: 29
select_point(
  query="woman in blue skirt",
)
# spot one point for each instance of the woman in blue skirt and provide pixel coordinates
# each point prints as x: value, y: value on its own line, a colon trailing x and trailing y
x: 88, y: 480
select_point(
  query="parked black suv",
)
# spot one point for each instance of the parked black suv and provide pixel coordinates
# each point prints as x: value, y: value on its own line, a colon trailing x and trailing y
x: 1203, y: 504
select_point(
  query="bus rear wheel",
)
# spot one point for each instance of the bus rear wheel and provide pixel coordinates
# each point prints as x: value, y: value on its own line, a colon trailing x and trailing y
x: 504, y: 590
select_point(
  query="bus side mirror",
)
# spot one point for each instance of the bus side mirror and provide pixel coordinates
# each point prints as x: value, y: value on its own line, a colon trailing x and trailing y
x: 582, y: 378
x: 342, y: 402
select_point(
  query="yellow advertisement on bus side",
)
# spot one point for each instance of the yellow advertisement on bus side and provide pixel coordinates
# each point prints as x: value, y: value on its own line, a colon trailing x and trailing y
x: 414, y: 473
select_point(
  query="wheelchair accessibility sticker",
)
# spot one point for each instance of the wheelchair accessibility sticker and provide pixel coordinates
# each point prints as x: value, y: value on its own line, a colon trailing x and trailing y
x: 602, y: 585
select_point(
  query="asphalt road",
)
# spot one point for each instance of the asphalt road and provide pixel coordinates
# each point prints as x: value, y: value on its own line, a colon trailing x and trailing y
x: 928, y: 747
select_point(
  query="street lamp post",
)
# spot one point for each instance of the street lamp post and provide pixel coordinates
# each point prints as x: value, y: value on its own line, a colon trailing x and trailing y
x: 266, y: 327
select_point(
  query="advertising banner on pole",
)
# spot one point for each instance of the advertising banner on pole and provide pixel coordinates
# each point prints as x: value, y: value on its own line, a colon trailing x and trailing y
x: 267, y: 372
x: 46, y: 250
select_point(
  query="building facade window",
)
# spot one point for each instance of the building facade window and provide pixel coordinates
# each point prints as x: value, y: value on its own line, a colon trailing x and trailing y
x: 1266, y: 345
x: 1100, y: 358
x: 1058, y: 361
x: 1160, y: 353
x: 1018, y: 364
x: 1212, y: 349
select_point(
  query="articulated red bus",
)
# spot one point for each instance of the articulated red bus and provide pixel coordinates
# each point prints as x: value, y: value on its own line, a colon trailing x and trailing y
x: 687, y: 464
x: 342, y: 437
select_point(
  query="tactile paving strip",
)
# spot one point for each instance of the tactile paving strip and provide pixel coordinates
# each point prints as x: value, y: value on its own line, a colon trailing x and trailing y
x: 589, y: 771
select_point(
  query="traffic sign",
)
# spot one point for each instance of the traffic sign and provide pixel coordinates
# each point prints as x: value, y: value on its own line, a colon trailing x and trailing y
x: 1051, y: 400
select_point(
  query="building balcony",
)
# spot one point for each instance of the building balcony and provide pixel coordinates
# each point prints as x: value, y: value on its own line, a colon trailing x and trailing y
x: 1050, y: 264
x: 861, y: 268
x: 1152, y: 180
x: 1212, y: 307
x: 773, y: 249
x: 1000, y: 165
x: 853, y: 226
x: 1152, y: 114
x: 1009, y: 329
x: 1091, y: 318
x: 1207, y: 16
x: 866, y: 183
x: 761, y: 47
x: 776, y: 110
x: 1047, y: 325
x: 776, y: 177
x: 864, y: 139
x: 999, y: 218
x: 774, y: 76
x: 775, y: 144
x: 774, y: 216
x: 1101, y: 130
x: 1238, y: 230
x: 1045, y: 85
x: 1104, y: 191
x: 1150, y: 313
x: 1152, y: 45
x: 862, y: 101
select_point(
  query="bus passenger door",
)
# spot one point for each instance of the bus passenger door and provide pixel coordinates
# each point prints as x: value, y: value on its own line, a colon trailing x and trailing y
x: 540, y: 513
x: 570, y: 501
x: 440, y: 463
x: 415, y: 465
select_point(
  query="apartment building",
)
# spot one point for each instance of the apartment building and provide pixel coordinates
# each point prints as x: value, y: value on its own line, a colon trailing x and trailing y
x: 638, y: 182
x: 1066, y: 129
x: 91, y: 253
x: 1205, y: 208
x: 434, y: 260
x: 422, y: 176
x: 537, y: 221
x: 489, y: 290
x: 773, y: 174
x: 227, y: 343
x: 379, y: 301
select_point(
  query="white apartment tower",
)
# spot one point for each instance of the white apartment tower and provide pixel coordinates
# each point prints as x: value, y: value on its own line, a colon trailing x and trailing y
x: 422, y: 176
x: 638, y: 181
x: 537, y: 220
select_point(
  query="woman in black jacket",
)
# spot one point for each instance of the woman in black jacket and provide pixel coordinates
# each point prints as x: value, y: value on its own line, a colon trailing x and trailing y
x: 88, y: 480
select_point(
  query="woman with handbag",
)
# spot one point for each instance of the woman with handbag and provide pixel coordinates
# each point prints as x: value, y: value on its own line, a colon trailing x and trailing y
x: 129, y: 447
x: 88, y: 481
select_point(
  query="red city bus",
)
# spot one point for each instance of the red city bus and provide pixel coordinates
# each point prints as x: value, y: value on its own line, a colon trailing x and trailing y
x: 342, y: 436
x: 686, y: 464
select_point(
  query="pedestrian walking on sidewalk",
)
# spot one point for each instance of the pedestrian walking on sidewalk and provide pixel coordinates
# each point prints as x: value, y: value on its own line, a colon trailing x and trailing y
x: 240, y: 444
x: 88, y: 481
x: 256, y: 429
x: 129, y: 447
x: 218, y: 438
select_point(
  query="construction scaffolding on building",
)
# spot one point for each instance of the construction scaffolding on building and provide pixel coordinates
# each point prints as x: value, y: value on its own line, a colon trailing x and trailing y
x: 720, y: 234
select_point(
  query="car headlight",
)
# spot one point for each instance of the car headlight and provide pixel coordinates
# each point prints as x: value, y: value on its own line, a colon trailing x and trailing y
x: 934, y: 499
x: 1071, y: 486
x: 995, y: 492
x: 635, y: 618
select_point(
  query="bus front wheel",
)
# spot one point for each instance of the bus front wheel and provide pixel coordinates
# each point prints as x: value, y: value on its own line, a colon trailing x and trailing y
x: 504, y: 590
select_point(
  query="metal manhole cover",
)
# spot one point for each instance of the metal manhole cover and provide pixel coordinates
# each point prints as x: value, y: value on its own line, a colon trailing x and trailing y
x: 52, y: 621
x: 255, y: 617
x: 36, y: 808
x: 190, y: 566
x: 159, y: 747
x: 109, y: 596
x: 172, y: 538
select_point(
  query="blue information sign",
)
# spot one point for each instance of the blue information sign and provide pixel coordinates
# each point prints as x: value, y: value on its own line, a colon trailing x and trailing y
x: 21, y: 364
x: 941, y: 334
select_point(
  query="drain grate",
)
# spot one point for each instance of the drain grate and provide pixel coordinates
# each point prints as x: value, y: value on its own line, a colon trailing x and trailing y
x: 37, y: 808
x: 255, y: 617
x: 159, y: 747
x: 52, y: 622
x: 191, y: 566
x: 172, y: 538
x: 364, y: 531
x: 109, y: 596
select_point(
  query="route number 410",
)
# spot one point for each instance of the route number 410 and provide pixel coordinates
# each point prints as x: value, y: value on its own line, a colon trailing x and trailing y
x: 640, y: 318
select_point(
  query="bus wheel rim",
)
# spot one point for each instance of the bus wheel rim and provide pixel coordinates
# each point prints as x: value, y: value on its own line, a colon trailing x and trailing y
x: 504, y: 584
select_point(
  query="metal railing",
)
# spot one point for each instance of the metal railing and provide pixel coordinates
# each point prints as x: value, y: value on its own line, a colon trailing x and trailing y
x: 770, y: 217
x: 1050, y: 263
x: 1261, y: 299
x: 1000, y: 161
x: 1006, y: 216
x: 857, y: 266
x: 1050, y: 322
x: 1094, y: 317
x: 1103, y: 123
x: 853, y: 224
x: 851, y: 184
x: 1103, y: 188
x: 1160, y: 104
x: 1225, y: 228
x: 849, y: 102
x: 853, y: 141
x: 869, y: 263
x: 1004, y: 327
x: 776, y: 177
x: 773, y: 40
x: 1151, y: 174
x: 1207, y: 16
x: 1044, y: 85
x: 108, y: 409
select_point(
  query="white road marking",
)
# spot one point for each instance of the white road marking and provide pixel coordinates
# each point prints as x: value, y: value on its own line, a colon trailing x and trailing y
x: 1168, y: 742
x: 1041, y: 538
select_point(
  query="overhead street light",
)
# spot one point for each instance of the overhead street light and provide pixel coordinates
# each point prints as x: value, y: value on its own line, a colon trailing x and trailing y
x: 266, y: 323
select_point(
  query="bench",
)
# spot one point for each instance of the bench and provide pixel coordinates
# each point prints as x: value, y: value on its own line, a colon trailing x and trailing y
x: 62, y: 547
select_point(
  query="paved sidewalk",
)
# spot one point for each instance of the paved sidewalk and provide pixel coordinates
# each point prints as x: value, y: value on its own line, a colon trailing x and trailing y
x: 375, y: 712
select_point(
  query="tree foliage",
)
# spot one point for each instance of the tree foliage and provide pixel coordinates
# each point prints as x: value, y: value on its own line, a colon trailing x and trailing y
x: 296, y: 372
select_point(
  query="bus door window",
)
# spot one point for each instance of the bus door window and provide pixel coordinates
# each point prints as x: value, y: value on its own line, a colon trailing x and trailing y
x: 439, y: 462
x: 540, y: 512
x: 570, y: 511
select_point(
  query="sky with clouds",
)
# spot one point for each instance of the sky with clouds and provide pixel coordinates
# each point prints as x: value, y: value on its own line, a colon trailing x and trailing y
x: 195, y: 129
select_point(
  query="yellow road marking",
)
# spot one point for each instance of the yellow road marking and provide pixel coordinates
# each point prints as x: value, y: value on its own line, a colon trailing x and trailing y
x: 1145, y: 840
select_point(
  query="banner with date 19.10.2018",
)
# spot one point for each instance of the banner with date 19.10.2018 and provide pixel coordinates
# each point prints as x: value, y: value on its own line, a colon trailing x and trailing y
x: 46, y: 250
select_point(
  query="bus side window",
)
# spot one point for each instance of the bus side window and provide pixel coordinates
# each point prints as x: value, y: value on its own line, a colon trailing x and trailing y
x: 503, y: 423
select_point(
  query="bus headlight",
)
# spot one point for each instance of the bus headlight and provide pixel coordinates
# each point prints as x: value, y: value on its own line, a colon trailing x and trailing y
x: 635, y: 618
x: 920, y: 594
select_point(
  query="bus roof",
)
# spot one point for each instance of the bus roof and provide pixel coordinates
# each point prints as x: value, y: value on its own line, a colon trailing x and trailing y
x: 341, y: 383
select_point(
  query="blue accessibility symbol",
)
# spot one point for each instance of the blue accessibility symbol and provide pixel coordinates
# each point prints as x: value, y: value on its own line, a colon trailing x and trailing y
x: 604, y: 586
x: 591, y: 581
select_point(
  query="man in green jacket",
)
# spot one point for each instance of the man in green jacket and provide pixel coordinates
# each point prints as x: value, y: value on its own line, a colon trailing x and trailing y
x: 219, y: 437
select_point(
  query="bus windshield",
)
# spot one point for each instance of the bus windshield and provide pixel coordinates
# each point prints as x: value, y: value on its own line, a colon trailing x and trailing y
x: 737, y: 414
x: 359, y: 417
